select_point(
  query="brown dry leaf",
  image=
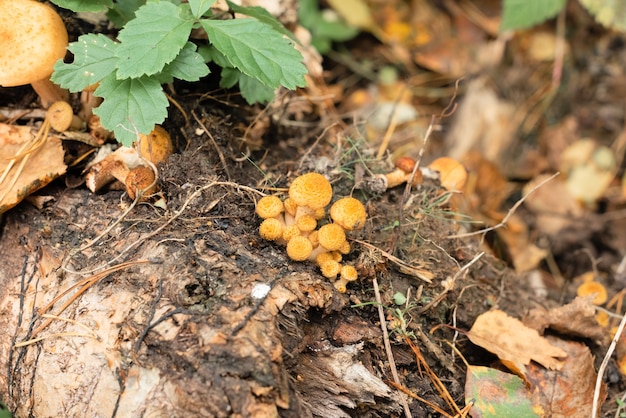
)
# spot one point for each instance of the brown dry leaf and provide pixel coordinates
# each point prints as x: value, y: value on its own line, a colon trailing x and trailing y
x: 525, y: 255
x: 482, y: 123
x: 43, y: 165
x: 513, y: 342
x: 577, y: 318
x: 568, y: 392
x: 553, y: 205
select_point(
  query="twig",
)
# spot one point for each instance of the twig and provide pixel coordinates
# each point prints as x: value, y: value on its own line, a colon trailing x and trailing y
x: 84, y: 285
x: 446, y: 112
x: 91, y: 332
x: 605, y: 362
x: 405, y: 268
x: 449, y: 284
x: 508, y: 214
x: 392, y: 362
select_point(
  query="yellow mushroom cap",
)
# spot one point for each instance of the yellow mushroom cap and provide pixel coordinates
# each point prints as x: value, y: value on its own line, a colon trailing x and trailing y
x: 330, y: 268
x: 269, y: 207
x: 291, y: 231
x: 33, y: 38
x: 299, y: 248
x: 452, y: 174
x: 61, y: 116
x: 349, y: 213
x: 313, y: 237
x: 340, y: 285
x: 156, y: 146
x: 324, y: 257
x: 591, y: 287
x: 319, y: 213
x: 271, y: 229
x: 306, y: 223
x: 311, y: 190
x: 349, y: 273
x: 290, y: 207
x: 331, y: 236
x: 345, y: 248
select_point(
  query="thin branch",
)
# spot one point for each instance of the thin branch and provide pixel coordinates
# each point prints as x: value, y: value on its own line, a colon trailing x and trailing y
x: 509, y: 213
x: 392, y: 362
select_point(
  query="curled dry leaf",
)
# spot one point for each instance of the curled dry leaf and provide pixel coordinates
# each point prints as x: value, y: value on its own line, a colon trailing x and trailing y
x: 514, y: 343
x: 43, y: 165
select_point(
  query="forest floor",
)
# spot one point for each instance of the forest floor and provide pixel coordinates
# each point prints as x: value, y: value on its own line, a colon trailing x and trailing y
x: 169, y: 315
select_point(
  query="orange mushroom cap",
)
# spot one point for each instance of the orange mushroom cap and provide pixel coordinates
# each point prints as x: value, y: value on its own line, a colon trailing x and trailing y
x: 349, y: 213
x: 269, y: 207
x: 156, y: 146
x: 349, y: 273
x: 591, y: 287
x: 299, y: 248
x: 33, y: 38
x: 306, y: 223
x: 330, y: 268
x: 271, y: 229
x: 331, y: 236
x: 452, y: 174
x: 311, y: 190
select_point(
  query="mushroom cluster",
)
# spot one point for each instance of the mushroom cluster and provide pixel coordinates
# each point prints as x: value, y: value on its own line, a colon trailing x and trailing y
x: 294, y: 224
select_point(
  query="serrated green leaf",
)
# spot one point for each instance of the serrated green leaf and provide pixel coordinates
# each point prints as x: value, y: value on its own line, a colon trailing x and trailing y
x: 94, y: 59
x: 188, y: 65
x: 257, y: 51
x: 210, y: 54
x: 152, y: 39
x: 262, y: 15
x: 200, y: 7
x: 610, y: 13
x: 124, y: 11
x: 253, y: 91
x: 84, y: 5
x: 229, y: 77
x: 131, y: 106
x: 520, y: 14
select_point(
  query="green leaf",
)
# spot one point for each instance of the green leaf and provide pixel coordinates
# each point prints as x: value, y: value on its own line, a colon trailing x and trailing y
x: 188, y: 65
x: 610, y: 13
x: 510, y: 398
x: 210, y: 54
x: 324, y: 27
x: 84, y: 5
x: 152, y: 39
x: 94, y: 59
x: 124, y: 11
x: 131, y: 106
x: 200, y: 7
x: 230, y: 77
x: 253, y: 91
x: 399, y: 298
x: 520, y: 14
x: 257, y: 51
x: 262, y: 15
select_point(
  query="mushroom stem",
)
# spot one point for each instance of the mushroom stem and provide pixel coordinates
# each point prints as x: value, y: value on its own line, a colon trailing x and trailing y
x: 49, y: 92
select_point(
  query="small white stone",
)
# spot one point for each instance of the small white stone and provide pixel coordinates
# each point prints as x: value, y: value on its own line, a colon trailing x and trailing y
x: 260, y: 290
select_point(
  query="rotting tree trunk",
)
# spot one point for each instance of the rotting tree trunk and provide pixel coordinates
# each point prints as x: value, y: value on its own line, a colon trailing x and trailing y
x: 175, y: 335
